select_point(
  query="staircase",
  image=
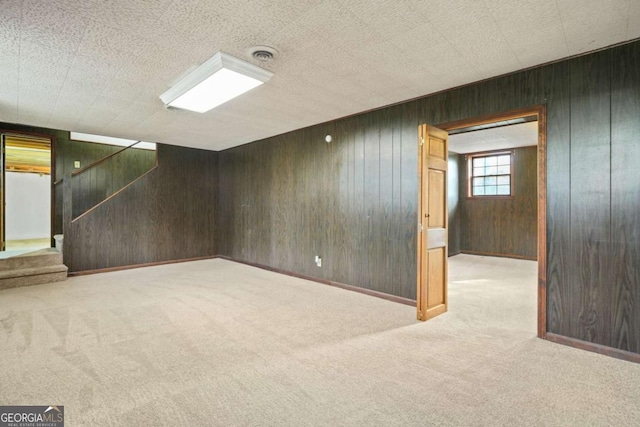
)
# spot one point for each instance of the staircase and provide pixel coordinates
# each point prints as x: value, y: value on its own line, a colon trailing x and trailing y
x: 33, y: 268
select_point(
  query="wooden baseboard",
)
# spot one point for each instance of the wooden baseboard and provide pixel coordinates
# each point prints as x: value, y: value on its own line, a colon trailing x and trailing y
x: 596, y: 348
x: 499, y: 255
x: 369, y: 292
x: 129, y: 267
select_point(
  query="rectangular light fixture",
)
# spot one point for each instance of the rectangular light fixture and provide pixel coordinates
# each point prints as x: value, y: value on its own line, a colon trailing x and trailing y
x: 216, y: 81
x: 110, y: 140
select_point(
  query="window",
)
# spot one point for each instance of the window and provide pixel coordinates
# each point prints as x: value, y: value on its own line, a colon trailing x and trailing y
x: 490, y: 174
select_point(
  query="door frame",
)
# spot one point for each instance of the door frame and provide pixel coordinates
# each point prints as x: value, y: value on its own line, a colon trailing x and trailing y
x: 540, y: 111
x: 52, y: 202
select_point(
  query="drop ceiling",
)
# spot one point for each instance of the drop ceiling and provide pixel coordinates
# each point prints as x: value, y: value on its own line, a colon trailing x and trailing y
x: 99, y: 66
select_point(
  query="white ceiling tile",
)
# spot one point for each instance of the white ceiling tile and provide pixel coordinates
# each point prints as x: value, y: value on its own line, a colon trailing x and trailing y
x: 263, y: 18
x: 33, y: 81
x: 417, y: 38
x: 45, y: 24
x: 30, y: 99
x: 35, y: 115
x: 8, y: 94
x: 10, y: 36
x: 530, y: 28
x: 36, y: 56
x: 12, y: 9
x: 334, y: 23
x: 121, y: 91
x: 474, y: 34
x: 594, y: 23
x: 633, y: 20
x: 81, y: 9
x: 385, y: 17
x: 132, y: 16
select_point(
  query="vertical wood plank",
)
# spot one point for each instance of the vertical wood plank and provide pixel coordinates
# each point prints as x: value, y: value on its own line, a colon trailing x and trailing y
x: 387, y: 241
x: 589, y: 266
x: 409, y: 197
x: 372, y: 234
x: 625, y: 197
x: 555, y: 86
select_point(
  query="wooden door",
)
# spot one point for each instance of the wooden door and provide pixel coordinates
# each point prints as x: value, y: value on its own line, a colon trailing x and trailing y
x: 432, y: 243
x: 2, y: 197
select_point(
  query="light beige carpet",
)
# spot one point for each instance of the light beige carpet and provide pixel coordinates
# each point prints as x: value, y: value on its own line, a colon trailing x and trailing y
x: 216, y: 343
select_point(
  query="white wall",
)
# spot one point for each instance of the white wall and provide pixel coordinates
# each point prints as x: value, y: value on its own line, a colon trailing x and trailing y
x: 28, y: 206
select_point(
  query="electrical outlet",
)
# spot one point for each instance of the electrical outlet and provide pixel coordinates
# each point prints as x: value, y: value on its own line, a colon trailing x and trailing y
x: 76, y: 164
x: 319, y: 263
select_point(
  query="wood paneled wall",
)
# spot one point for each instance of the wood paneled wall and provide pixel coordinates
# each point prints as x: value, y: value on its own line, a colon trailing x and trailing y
x: 289, y: 198
x: 285, y: 199
x: 168, y: 214
x: 97, y: 183
x: 454, y: 192
x: 503, y: 227
x: 352, y: 201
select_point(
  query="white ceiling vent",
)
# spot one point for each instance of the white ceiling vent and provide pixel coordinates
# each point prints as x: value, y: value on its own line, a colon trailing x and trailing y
x: 262, y: 53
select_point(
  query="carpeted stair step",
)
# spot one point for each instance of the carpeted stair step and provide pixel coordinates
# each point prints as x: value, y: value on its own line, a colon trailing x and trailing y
x: 33, y: 268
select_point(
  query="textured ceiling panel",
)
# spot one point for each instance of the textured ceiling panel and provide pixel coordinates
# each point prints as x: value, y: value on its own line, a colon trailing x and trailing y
x: 530, y: 29
x: 633, y: 21
x: 99, y: 66
x: 45, y: 24
x: 593, y: 24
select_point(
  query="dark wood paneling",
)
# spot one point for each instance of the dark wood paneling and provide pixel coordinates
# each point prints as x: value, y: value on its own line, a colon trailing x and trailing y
x: 592, y: 184
x: 453, y: 203
x: 503, y: 227
x: 556, y: 91
x: 346, y: 201
x: 625, y: 198
x: 590, y: 251
x: 68, y: 151
x: 288, y: 198
x: 168, y: 214
x: 100, y: 181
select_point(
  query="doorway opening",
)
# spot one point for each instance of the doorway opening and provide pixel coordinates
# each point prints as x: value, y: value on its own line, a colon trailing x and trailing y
x: 25, y: 214
x: 476, y: 187
x: 498, y: 165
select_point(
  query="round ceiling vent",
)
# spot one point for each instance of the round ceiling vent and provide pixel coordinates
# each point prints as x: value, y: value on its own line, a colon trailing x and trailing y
x: 262, y: 53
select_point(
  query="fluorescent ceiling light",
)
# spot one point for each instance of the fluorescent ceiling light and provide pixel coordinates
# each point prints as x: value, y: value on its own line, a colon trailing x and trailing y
x: 216, y: 81
x: 121, y: 142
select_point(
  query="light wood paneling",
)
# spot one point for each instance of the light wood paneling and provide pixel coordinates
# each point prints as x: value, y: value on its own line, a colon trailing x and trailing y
x: 436, y: 271
x: 436, y: 195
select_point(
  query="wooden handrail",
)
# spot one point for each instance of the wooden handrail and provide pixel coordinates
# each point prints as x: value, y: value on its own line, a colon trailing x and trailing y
x: 97, y: 162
